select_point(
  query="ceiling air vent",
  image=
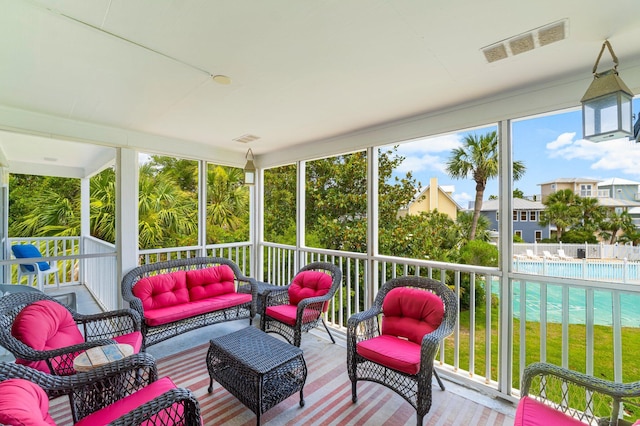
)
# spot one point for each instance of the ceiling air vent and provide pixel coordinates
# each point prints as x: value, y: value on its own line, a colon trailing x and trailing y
x: 527, y: 41
x: 246, y: 138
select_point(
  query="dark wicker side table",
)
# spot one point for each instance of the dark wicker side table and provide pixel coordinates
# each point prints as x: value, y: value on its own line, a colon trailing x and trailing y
x: 258, y: 369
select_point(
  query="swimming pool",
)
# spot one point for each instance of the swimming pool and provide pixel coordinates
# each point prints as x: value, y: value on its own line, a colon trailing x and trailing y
x: 602, y: 301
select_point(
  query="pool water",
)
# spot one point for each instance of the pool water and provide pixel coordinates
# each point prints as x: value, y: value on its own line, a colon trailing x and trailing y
x: 602, y: 300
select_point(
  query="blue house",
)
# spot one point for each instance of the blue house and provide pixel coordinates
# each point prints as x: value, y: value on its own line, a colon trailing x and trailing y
x: 526, y: 215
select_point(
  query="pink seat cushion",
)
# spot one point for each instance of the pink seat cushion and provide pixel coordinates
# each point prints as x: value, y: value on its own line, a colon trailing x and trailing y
x: 23, y: 403
x: 162, y: 290
x: 134, y: 339
x: 210, y: 282
x: 287, y: 314
x: 308, y: 284
x: 187, y: 310
x: 129, y: 403
x: 532, y: 412
x: 392, y: 352
x: 411, y: 313
x: 46, y: 325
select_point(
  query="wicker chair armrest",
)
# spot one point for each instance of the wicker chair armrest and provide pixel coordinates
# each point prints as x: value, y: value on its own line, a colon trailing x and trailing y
x: 363, y: 325
x: 170, y: 400
x: 142, y: 365
x: 276, y: 297
x: 109, y: 324
x: 594, y: 384
x: 20, y: 350
x: 599, y: 400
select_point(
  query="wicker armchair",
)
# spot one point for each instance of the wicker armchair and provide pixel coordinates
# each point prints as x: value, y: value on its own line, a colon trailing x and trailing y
x: 299, y: 306
x: 412, y: 306
x: 121, y: 326
x: 96, y: 396
x: 575, y: 397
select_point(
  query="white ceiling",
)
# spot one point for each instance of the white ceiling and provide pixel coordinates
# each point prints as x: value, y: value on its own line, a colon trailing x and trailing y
x: 301, y: 70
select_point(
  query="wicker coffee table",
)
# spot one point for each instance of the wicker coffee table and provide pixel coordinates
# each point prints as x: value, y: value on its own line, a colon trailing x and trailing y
x: 258, y: 369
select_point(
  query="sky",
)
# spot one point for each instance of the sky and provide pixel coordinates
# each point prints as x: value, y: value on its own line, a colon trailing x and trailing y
x: 550, y: 147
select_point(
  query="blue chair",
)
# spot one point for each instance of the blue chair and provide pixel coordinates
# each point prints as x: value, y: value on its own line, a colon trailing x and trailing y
x: 40, y: 270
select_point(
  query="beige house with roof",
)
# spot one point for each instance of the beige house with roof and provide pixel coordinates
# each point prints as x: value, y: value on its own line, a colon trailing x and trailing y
x: 433, y: 197
x: 583, y: 187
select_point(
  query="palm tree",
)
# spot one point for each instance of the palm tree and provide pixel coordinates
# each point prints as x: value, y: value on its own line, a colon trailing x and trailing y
x: 228, y: 203
x: 616, y: 222
x: 562, y: 209
x: 478, y: 158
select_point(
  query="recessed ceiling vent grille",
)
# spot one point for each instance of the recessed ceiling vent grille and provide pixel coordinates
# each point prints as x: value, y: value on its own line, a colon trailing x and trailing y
x: 246, y: 138
x: 525, y: 42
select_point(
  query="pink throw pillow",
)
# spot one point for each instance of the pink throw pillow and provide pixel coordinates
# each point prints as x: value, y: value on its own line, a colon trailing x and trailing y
x: 210, y: 282
x: 309, y: 284
x: 411, y: 313
x: 23, y: 403
x: 162, y: 290
x: 46, y: 325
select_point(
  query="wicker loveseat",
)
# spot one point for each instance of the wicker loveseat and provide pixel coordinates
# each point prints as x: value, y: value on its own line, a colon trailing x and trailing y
x: 180, y: 295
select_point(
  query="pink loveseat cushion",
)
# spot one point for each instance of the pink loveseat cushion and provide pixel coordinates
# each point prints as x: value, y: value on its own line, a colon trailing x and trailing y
x: 392, y: 352
x: 210, y: 282
x: 162, y: 290
x: 532, y: 412
x: 411, y: 313
x: 46, y: 325
x: 23, y: 403
x: 155, y: 317
x: 308, y: 284
x: 127, y: 404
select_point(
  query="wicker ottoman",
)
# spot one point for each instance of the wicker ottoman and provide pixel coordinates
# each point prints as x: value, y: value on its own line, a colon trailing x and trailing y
x: 258, y: 369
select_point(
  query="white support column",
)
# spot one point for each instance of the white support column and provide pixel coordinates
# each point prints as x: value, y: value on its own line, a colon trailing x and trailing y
x: 126, y: 213
x: 256, y: 234
x: 505, y: 247
x: 300, y: 212
x: 371, y: 279
x: 202, y: 207
x: 85, y: 222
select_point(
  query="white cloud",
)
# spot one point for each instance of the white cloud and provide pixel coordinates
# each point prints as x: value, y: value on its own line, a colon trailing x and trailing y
x: 620, y: 155
x: 562, y: 140
x: 427, y: 155
x: 463, y: 199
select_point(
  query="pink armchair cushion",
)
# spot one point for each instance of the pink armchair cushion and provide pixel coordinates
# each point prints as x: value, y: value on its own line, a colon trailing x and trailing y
x: 411, y: 313
x: 127, y: 404
x: 162, y: 290
x: 46, y: 325
x: 23, y: 403
x: 532, y: 412
x: 287, y: 314
x: 134, y: 339
x: 392, y: 352
x: 210, y: 282
x: 308, y: 284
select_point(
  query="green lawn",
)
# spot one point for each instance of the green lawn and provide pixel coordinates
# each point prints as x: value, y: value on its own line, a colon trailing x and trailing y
x: 603, y: 347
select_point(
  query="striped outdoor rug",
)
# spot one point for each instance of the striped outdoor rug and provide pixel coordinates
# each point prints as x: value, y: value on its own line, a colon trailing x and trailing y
x: 327, y: 395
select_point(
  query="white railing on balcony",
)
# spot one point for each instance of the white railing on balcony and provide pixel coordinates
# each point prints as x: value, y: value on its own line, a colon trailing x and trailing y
x: 100, y: 274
